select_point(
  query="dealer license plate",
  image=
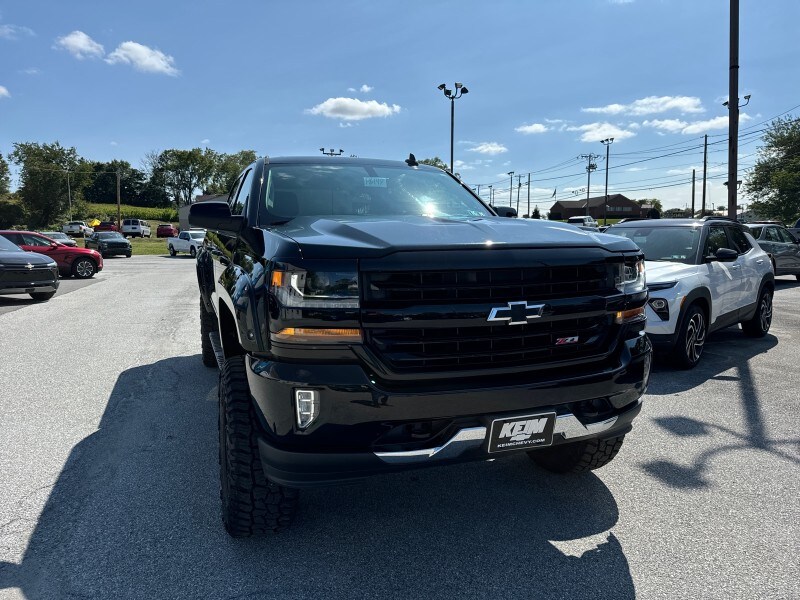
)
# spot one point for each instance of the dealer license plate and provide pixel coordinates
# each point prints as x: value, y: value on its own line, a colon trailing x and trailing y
x: 519, y: 433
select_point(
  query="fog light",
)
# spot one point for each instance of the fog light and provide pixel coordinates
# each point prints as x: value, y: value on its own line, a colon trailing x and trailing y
x: 307, y: 405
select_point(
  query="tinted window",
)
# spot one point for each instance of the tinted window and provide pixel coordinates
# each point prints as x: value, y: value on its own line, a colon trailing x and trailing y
x: 15, y: 238
x: 364, y: 190
x: 784, y: 235
x: 756, y: 232
x: 184, y: 236
x: 739, y: 239
x: 771, y: 235
x: 716, y: 239
x: 239, y: 205
x: 34, y: 240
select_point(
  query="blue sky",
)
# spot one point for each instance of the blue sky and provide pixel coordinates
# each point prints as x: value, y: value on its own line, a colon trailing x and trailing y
x: 547, y: 81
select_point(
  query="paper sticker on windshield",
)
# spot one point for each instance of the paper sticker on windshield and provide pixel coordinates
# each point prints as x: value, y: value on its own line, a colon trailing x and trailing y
x: 375, y: 182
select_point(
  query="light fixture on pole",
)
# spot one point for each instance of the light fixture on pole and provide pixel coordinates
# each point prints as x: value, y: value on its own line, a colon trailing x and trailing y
x: 331, y: 152
x: 607, y: 143
x: 460, y: 90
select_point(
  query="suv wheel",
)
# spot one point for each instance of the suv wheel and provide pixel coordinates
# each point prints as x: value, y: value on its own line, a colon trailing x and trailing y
x: 83, y: 268
x: 691, y: 338
x: 192, y: 251
x: 759, y: 325
x: 577, y: 457
x: 251, y: 503
x: 171, y: 250
x: 208, y: 323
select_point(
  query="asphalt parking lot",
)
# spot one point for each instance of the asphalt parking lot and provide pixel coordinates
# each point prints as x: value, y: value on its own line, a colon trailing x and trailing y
x: 108, y: 477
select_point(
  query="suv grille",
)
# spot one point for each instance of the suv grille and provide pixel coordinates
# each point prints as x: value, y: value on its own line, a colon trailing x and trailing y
x: 579, y: 329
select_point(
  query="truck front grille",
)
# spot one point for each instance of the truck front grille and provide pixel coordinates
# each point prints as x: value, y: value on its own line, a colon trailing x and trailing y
x: 436, y: 321
x: 464, y: 285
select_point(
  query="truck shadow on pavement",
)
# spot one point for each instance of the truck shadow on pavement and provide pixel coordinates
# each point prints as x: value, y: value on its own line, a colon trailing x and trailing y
x: 134, y: 514
x: 732, y: 350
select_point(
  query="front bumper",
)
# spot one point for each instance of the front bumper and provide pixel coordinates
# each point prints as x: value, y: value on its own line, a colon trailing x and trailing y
x: 352, y: 436
x: 115, y: 251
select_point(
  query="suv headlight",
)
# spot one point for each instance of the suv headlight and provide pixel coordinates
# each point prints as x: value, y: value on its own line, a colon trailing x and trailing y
x: 630, y: 277
x: 316, y: 289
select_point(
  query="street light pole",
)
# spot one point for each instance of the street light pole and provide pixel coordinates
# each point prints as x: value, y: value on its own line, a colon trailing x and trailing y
x: 511, y: 188
x: 453, y: 96
x: 607, y: 143
x: 590, y: 166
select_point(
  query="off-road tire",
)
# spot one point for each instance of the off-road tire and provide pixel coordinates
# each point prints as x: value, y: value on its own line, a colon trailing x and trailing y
x: 208, y: 323
x: 251, y: 504
x: 759, y: 325
x: 172, y: 250
x: 691, y: 338
x: 42, y: 296
x: 81, y: 270
x: 577, y: 457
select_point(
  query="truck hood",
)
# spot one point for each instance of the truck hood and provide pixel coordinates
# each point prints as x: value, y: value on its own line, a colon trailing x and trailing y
x: 354, y: 238
x: 659, y: 271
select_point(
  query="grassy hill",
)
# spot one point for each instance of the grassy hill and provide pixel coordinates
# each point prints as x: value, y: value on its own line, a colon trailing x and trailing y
x: 101, y: 211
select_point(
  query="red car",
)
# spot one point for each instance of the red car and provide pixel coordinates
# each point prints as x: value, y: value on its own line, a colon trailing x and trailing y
x: 107, y: 226
x: 166, y: 230
x: 80, y: 262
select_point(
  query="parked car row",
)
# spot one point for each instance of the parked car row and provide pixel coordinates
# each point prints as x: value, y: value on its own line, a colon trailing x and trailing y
x: 130, y: 228
x: 26, y: 272
x: 71, y: 260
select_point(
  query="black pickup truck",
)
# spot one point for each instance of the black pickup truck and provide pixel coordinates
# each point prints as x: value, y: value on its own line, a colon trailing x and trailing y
x: 371, y: 316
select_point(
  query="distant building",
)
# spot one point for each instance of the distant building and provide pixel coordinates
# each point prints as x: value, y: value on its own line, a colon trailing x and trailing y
x: 619, y: 207
x: 183, y: 211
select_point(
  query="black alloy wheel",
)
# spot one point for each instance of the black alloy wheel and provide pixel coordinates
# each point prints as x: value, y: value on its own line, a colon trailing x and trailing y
x: 692, y: 338
x: 84, y: 268
x: 759, y: 325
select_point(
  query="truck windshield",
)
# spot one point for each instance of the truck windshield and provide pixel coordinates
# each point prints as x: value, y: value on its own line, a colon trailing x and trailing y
x: 674, y: 244
x: 356, y: 191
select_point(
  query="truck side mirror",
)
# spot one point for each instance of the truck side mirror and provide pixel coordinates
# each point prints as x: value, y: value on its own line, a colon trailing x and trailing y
x: 505, y: 211
x: 215, y: 216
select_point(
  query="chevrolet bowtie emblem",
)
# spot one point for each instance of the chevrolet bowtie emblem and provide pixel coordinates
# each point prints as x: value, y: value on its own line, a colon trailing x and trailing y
x: 516, y: 313
x: 28, y: 266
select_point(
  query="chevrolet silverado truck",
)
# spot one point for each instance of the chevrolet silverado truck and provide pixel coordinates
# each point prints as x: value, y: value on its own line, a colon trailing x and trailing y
x: 372, y: 316
x: 186, y: 241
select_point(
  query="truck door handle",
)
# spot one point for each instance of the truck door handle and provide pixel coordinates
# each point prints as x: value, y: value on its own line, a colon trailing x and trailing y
x: 760, y: 261
x: 735, y: 267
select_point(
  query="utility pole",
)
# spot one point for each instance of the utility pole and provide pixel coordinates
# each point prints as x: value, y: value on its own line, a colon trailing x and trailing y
x: 692, y: 215
x: 733, y: 108
x: 590, y: 166
x: 69, y: 197
x: 119, y: 209
x: 529, y: 195
x: 607, y: 143
x: 491, y: 195
x: 519, y: 185
x: 705, y: 173
x: 510, y: 189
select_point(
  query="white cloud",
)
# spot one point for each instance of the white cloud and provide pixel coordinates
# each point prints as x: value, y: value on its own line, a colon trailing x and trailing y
x: 143, y: 58
x: 594, y: 132
x: 489, y: 148
x: 621, y: 1
x: 635, y: 169
x: 460, y: 165
x: 13, y: 32
x: 114, y: 143
x: 554, y: 121
x: 670, y: 125
x: 364, y: 89
x: 80, y: 45
x: 353, y: 109
x: 4, y: 93
x: 31, y: 71
x: 345, y: 125
x: 711, y: 124
x: 532, y: 128
x: 205, y: 142
x: 651, y: 105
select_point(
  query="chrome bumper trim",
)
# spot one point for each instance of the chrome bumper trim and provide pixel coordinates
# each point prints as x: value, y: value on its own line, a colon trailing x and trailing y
x: 568, y: 426
x: 471, y: 437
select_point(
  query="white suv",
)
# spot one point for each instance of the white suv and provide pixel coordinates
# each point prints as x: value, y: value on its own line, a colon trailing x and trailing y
x: 702, y: 275
x: 135, y: 227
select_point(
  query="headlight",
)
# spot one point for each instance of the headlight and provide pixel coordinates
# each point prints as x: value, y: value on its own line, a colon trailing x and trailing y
x: 630, y: 277
x: 316, y: 289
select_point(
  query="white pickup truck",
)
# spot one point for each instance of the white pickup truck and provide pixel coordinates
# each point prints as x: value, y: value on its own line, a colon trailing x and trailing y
x: 77, y: 228
x: 187, y: 241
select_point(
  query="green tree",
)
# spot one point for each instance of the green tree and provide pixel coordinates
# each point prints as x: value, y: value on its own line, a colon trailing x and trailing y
x: 536, y: 214
x: 774, y: 182
x: 5, y: 177
x: 655, y: 202
x: 226, y: 169
x: 103, y: 185
x: 44, y: 172
x: 435, y: 162
x: 184, y: 172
